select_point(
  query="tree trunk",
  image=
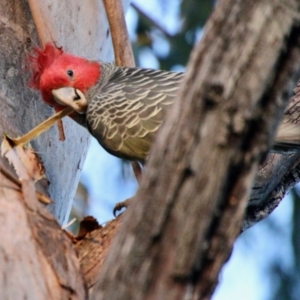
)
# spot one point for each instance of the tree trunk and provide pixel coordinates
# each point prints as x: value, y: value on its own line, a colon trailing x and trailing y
x: 37, y: 259
x: 173, y: 243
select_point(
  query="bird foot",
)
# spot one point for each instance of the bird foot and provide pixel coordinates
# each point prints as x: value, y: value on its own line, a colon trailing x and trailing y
x: 120, y: 205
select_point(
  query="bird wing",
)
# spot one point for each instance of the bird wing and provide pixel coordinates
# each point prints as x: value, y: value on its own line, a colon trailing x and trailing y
x: 129, y: 109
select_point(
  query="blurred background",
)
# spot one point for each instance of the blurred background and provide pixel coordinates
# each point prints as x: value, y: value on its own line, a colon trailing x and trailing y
x: 265, y: 263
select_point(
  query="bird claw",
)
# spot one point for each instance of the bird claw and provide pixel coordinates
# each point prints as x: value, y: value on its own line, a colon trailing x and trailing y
x: 120, y: 205
x: 138, y: 172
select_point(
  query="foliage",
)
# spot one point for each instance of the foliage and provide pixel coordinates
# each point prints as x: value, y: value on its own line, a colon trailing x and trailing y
x: 193, y: 16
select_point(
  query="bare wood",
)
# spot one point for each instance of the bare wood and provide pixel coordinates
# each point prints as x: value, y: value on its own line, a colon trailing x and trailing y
x: 42, y: 127
x: 42, y: 21
x: 174, y: 242
x: 120, y: 37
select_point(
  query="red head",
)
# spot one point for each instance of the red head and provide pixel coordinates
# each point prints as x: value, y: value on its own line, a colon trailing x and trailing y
x: 53, y: 69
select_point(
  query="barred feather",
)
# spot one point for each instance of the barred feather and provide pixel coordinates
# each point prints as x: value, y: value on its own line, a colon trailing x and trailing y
x: 127, y: 107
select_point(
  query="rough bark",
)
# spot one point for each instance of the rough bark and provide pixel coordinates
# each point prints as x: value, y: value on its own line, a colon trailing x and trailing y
x: 199, y: 177
x: 92, y: 249
x: 37, y: 260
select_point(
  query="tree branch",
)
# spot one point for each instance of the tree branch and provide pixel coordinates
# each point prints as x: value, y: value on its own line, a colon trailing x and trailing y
x: 151, y: 20
x: 46, y: 34
x: 120, y: 38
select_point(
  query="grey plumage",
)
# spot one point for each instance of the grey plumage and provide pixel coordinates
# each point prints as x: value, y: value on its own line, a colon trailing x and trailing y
x: 129, y: 109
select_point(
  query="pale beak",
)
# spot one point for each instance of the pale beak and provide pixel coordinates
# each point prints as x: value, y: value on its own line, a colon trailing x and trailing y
x: 71, y: 97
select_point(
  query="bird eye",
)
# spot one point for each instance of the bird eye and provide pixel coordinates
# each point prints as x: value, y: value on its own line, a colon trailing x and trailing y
x: 70, y: 73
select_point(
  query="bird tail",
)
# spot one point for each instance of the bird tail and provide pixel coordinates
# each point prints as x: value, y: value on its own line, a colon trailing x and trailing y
x: 287, y: 138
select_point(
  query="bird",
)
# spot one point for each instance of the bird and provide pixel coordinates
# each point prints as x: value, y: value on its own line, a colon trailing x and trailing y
x: 122, y: 107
